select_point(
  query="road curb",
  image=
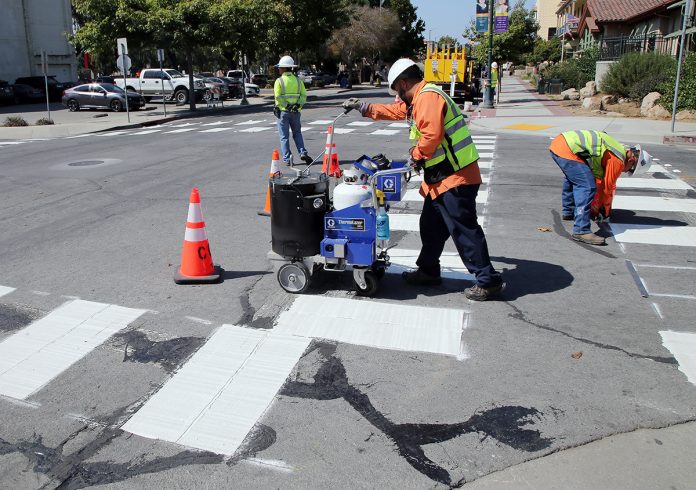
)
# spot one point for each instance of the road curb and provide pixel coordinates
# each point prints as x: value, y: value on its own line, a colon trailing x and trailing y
x: 679, y: 140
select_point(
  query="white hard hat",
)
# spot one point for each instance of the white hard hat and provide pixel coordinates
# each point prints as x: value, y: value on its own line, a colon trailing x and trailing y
x: 286, y: 62
x: 494, y: 65
x: 399, y: 66
x: 643, y: 163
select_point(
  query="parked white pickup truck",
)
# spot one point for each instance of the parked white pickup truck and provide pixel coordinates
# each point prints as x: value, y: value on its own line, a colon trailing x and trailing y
x: 168, y: 82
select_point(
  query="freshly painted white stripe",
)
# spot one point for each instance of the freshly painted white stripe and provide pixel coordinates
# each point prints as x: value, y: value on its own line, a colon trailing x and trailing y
x: 413, y: 195
x: 38, y: 353
x: 485, y: 155
x: 195, y: 213
x: 216, y: 123
x: 658, y: 312
x: 665, y: 164
x: 183, y: 125
x: 195, y: 235
x: 450, y: 263
x: 398, y: 125
x: 480, y: 147
x: 5, y: 290
x: 343, y: 130
x: 683, y: 346
x: 112, y: 133
x: 676, y: 171
x: 322, y: 121
x: 12, y: 142
x: 215, y: 399
x: 485, y: 165
x: 679, y: 296
x: 147, y: 131
x: 483, y: 137
x: 385, y: 132
x: 657, y: 184
x: 684, y: 236
x: 675, y: 267
x: 654, y: 168
x: 257, y: 129
x: 182, y: 130
x: 361, y: 123
x: 249, y: 123
x: 382, y: 325
x: 652, y: 203
x: 215, y: 130
x: 411, y: 222
x: 79, y: 136
x: 273, y: 464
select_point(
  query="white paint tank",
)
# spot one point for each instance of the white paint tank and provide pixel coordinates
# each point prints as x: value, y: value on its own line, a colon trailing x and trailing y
x: 346, y: 195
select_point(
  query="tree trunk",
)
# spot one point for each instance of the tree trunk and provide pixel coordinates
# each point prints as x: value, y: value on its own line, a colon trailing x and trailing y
x: 192, y: 91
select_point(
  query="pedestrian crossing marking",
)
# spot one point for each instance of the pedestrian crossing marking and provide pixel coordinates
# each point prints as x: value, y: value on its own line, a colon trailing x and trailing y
x: 376, y: 324
x: 215, y: 130
x: 322, y: 121
x: 5, y: 290
x: 485, y: 155
x: 684, y: 236
x: 655, y: 184
x: 450, y: 263
x: 654, y: 168
x: 215, y: 399
x: 257, y: 129
x: 398, y: 125
x: 361, y: 123
x: 247, y: 123
x: 652, y: 203
x: 413, y: 195
x: 111, y: 133
x: 682, y: 345
x: 184, y: 125
x: 147, y: 131
x: 216, y: 123
x: 38, y: 353
x: 11, y: 142
x: 484, y: 147
x: 385, y: 132
x: 343, y: 130
x: 182, y: 130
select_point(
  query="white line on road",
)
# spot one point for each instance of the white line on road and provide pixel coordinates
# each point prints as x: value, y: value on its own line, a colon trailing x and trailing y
x: 248, y: 123
x: 376, y: 324
x: 398, y: 125
x: 657, y: 184
x: 450, y: 263
x: 385, y: 132
x: 652, y: 203
x: 11, y: 142
x: 38, y: 353
x: 342, y: 130
x: 183, y: 125
x: 684, y: 236
x: 216, y: 123
x: 322, y: 121
x: 256, y: 129
x: 215, y: 399
x: 683, y: 346
x: 5, y: 290
x: 215, y: 130
x: 79, y: 136
x: 111, y: 133
x: 484, y: 147
x: 485, y: 155
x: 183, y: 130
x: 147, y: 131
x: 361, y: 123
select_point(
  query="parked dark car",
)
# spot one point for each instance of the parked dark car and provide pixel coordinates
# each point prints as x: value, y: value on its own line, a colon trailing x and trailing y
x: 259, y: 79
x: 327, y: 78
x: 55, y: 88
x: 25, y: 94
x: 7, y: 95
x: 101, y: 96
x: 234, y: 85
x: 106, y: 79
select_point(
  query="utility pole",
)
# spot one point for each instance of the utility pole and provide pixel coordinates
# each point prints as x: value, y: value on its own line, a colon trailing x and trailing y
x: 488, y: 92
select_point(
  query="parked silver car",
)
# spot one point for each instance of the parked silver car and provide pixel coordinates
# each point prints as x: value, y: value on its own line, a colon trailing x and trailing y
x: 101, y: 96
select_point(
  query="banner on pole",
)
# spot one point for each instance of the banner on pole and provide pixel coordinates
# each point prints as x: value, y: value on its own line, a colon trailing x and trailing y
x: 482, y: 23
x: 501, y: 16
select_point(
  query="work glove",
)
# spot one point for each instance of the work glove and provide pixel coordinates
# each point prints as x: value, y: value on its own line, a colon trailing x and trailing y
x: 276, y: 112
x: 601, y: 216
x: 415, y: 164
x: 354, y: 103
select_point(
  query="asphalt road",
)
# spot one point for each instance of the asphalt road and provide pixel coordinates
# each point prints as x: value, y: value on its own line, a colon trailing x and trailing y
x: 571, y: 353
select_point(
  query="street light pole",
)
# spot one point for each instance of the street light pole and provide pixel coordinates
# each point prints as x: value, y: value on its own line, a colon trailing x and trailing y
x: 488, y: 91
x: 685, y: 22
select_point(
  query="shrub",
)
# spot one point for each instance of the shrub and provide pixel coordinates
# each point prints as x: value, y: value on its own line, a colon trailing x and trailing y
x: 575, y: 72
x: 687, y: 86
x: 44, y: 121
x: 14, y: 121
x: 637, y: 74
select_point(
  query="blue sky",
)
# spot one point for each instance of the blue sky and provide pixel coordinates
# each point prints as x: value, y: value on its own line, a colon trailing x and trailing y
x: 456, y: 18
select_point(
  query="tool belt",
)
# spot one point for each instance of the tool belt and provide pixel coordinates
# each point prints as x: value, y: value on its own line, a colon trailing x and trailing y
x: 293, y: 108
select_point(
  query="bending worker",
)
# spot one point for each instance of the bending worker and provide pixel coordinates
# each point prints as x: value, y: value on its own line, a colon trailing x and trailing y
x: 290, y: 96
x: 444, y: 149
x: 591, y: 162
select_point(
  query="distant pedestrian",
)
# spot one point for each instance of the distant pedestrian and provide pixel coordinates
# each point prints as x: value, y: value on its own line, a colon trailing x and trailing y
x: 290, y: 96
x: 591, y: 162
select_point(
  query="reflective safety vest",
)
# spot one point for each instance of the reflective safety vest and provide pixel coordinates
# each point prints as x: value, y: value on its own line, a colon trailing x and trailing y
x: 590, y: 146
x: 456, y: 150
x: 290, y: 93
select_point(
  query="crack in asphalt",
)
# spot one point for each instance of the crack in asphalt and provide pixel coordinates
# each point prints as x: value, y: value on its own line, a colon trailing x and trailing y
x: 506, y: 424
x: 519, y: 315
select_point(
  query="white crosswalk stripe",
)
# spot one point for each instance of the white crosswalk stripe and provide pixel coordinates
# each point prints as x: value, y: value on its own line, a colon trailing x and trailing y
x: 652, y: 203
x: 398, y: 125
x: 385, y: 132
x: 360, y: 123
x: 653, y: 184
x: 182, y: 130
x: 249, y: 123
x: 321, y: 121
x: 215, y: 130
x: 256, y: 129
x: 5, y: 290
x: 38, y: 353
x: 147, y: 131
x: 684, y: 236
x: 683, y: 346
x: 450, y: 263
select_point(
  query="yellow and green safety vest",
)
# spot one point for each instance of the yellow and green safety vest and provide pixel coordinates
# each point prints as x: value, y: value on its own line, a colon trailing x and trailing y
x: 591, y: 145
x: 290, y: 93
x: 456, y: 150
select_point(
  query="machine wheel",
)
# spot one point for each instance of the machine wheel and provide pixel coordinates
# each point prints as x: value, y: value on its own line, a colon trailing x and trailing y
x: 371, y: 284
x: 294, y: 277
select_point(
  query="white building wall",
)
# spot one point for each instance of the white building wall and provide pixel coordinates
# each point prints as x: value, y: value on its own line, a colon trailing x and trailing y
x: 29, y: 26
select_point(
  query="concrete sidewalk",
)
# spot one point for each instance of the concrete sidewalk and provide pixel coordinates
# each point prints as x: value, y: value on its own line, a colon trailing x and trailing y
x: 633, y: 460
x: 523, y: 111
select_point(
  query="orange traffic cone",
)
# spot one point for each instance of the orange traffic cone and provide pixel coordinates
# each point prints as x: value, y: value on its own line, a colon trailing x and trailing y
x: 331, y: 165
x: 276, y: 171
x: 196, y: 261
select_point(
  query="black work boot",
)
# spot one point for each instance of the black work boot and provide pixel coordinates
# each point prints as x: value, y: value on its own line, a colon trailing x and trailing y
x: 568, y: 217
x: 420, y: 278
x: 477, y: 293
x: 306, y: 158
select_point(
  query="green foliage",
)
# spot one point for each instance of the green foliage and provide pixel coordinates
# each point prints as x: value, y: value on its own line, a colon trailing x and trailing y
x: 545, y: 51
x: 634, y: 75
x: 14, y: 122
x: 687, y: 86
x: 44, y: 121
x: 575, y: 72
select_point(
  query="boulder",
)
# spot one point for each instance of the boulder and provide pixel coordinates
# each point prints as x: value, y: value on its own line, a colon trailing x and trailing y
x: 658, y: 112
x: 571, y: 94
x: 589, y: 90
x: 682, y: 115
x: 592, y: 103
x: 649, y: 102
x: 606, y: 100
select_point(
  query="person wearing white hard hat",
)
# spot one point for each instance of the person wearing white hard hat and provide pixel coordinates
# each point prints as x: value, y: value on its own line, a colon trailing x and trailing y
x: 444, y: 150
x: 290, y: 96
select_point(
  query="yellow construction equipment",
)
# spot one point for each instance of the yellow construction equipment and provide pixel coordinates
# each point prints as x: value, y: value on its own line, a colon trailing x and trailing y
x: 452, y: 69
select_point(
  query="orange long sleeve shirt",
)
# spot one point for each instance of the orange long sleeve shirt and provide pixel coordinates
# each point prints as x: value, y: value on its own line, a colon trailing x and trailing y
x: 428, y: 114
x: 612, y: 165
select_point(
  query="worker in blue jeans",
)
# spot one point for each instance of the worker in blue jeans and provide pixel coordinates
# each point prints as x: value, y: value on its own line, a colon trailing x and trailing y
x: 290, y: 95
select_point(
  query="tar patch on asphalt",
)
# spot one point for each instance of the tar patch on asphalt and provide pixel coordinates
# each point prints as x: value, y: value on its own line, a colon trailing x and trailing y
x: 170, y: 354
x: 15, y: 317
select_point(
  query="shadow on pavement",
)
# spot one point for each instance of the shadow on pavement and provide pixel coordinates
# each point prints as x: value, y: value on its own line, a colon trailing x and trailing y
x: 532, y: 277
x: 229, y: 275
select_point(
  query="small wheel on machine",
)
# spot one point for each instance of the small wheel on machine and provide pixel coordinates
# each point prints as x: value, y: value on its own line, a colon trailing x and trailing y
x: 379, y: 272
x: 371, y: 284
x: 294, y: 277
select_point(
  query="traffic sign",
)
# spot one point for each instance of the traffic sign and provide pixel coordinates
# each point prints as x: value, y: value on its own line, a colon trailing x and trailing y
x: 122, y: 46
x: 119, y: 63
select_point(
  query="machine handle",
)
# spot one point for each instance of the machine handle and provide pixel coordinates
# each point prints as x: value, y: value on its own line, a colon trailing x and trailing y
x: 372, y: 180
